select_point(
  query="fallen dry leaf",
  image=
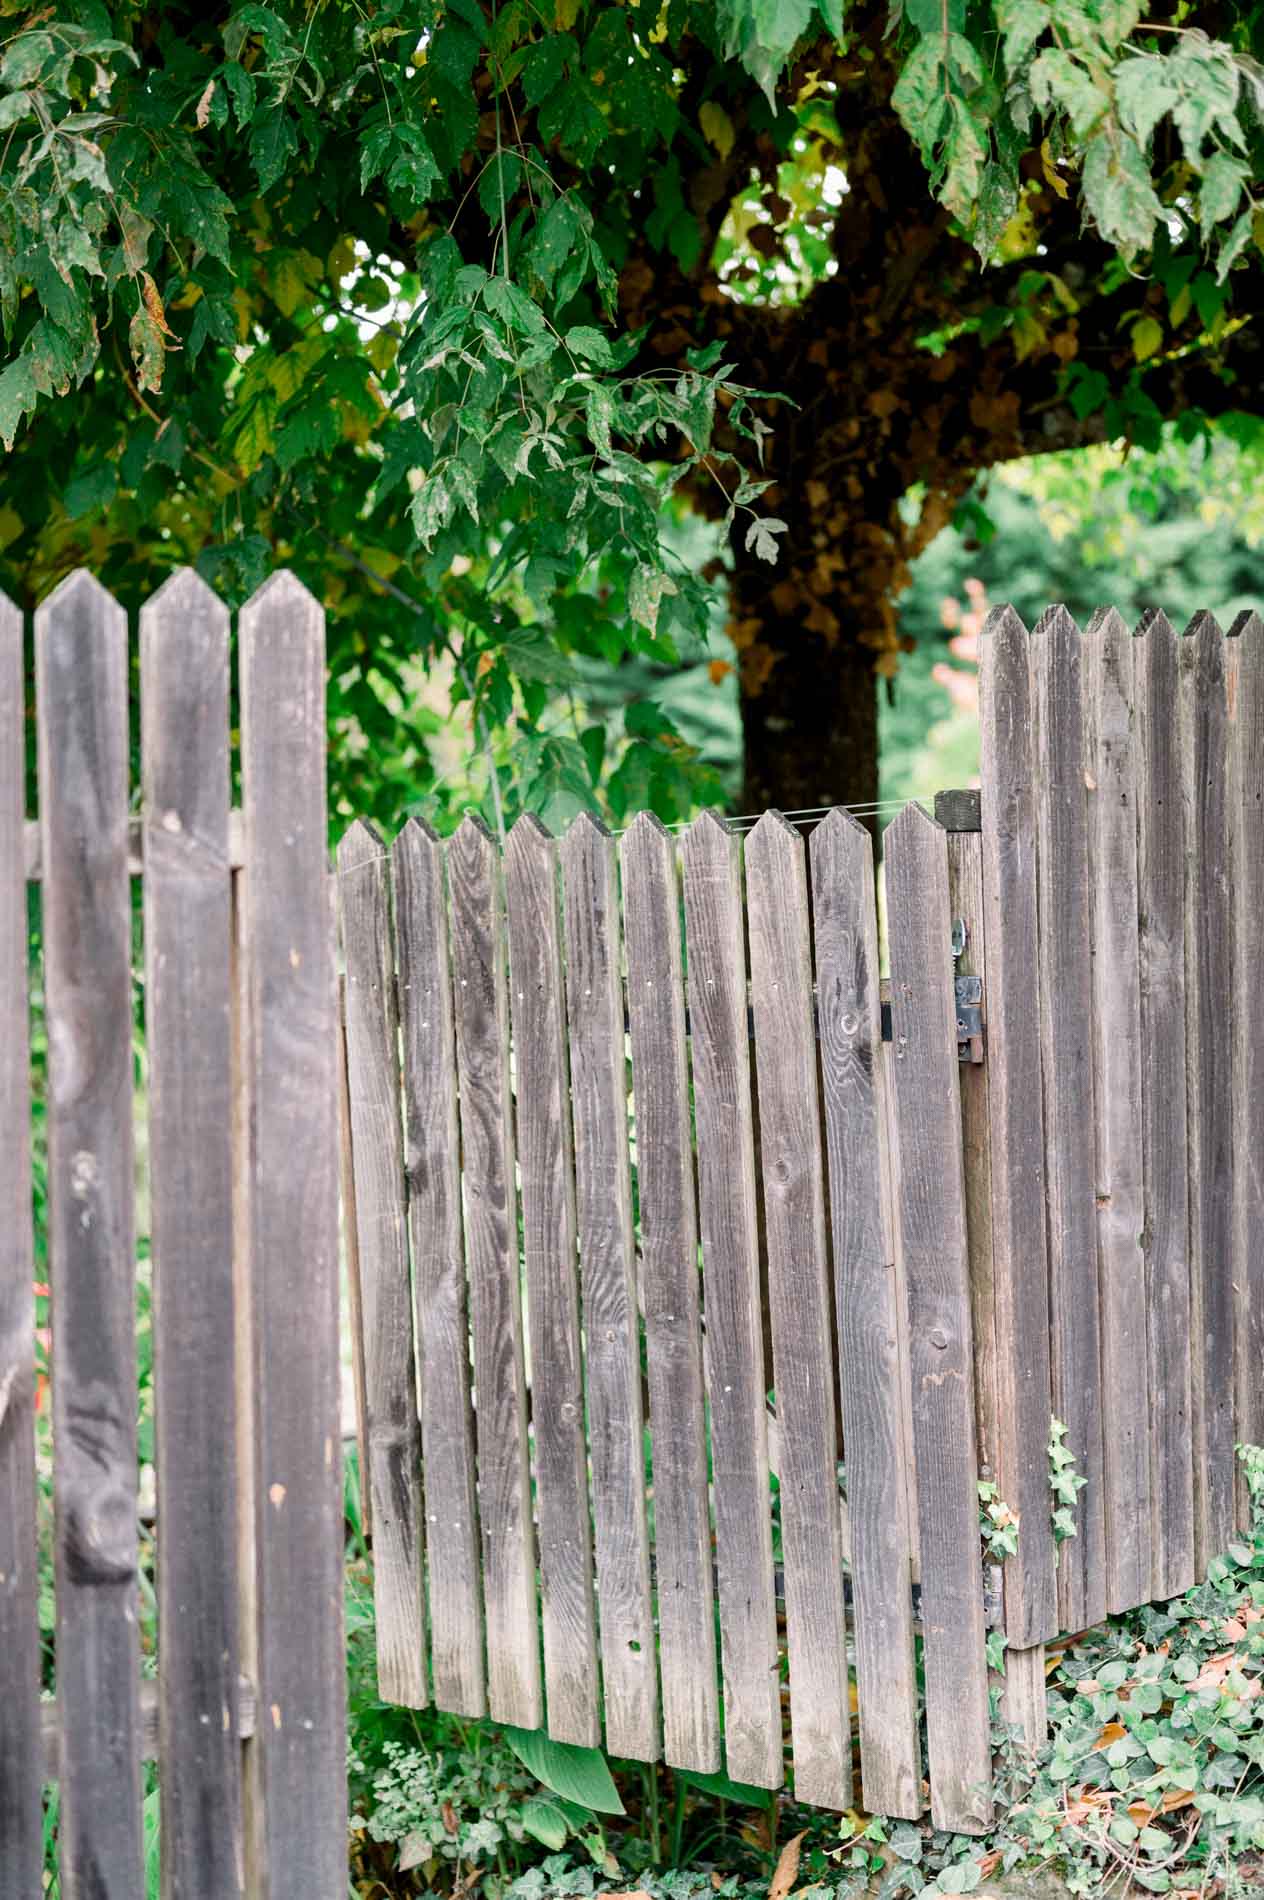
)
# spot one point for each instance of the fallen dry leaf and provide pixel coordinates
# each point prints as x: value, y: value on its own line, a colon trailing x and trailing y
x: 787, y: 1869
x: 1113, y: 1732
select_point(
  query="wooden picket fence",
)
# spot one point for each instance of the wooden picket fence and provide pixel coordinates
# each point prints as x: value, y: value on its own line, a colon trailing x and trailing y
x: 698, y: 1272
x: 247, y: 1714
x: 647, y: 1211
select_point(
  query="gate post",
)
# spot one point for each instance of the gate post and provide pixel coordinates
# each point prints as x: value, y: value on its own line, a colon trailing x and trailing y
x: 960, y: 813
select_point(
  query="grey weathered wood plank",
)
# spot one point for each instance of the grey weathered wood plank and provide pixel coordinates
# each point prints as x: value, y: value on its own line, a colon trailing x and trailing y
x: 81, y: 679
x: 351, y: 1254
x: 504, y: 1486
x: 392, y: 1426
x: 21, y: 1845
x: 802, y: 1327
x: 965, y: 893
x: 1161, y: 898
x: 1016, y: 1114
x: 1209, y: 1071
x: 603, y: 1191
x: 546, y: 1168
x: 736, y: 1379
x: 849, y: 1028
x: 1246, y: 740
x: 1066, y: 1051
x: 933, y: 1226
x: 242, y: 1069
x: 292, y: 1194
x: 669, y: 1280
x: 1110, y: 752
x: 441, y: 1327
x: 188, y: 957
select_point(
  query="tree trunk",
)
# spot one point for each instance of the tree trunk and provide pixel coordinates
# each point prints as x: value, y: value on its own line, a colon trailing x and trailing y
x: 810, y: 725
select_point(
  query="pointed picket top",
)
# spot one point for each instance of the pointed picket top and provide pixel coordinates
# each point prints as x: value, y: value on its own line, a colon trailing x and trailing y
x: 1203, y: 625
x: 647, y: 841
x: 709, y: 843
x: 417, y: 839
x: 1056, y: 622
x: 360, y: 844
x: 1155, y: 624
x: 1106, y: 624
x: 79, y: 593
x: 840, y: 851
x: 913, y: 824
x: 1247, y: 625
x: 530, y: 839
x: 280, y: 590
x: 709, y: 822
x: 586, y: 825
x: 184, y: 594
x: 774, y: 840
x: 473, y: 834
x: 1004, y: 622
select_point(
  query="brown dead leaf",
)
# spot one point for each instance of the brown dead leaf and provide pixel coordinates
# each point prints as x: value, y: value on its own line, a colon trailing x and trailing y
x: 450, y: 1822
x: 787, y: 1869
x: 203, y: 112
x: 1142, y: 1812
x: 1113, y: 1732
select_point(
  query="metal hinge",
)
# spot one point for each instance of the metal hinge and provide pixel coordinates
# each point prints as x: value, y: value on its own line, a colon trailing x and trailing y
x: 969, y: 996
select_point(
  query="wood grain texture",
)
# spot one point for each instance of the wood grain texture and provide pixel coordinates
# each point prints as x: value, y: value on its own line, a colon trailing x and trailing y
x: 965, y: 896
x: 849, y: 1028
x: 546, y: 1168
x: 293, y: 1206
x: 1246, y: 739
x: 188, y: 975
x: 1024, y: 1697
x: 737, y: 1382
x: 351, y: 1253
x: 1209, y: 1073
x: 481, y: 1005
x: 669, y: 1280
x: 603, y: 1191
x: 802, y: 1324
x: 1161, y: 897
x: 81, y: 679
x: 392, y: 1426
x: 1066, y: 1008
x: 21, y: 1844
x: 933, y: 1225
x: 1110, y: 751
x: 1017, y: 1133
x: 441, y: 1327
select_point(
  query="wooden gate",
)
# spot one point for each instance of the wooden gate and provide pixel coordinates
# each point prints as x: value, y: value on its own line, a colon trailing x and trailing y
x: 720, y: 1302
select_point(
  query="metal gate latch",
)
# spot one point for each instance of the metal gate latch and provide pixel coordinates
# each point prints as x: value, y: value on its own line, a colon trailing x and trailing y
x: 968, y: 991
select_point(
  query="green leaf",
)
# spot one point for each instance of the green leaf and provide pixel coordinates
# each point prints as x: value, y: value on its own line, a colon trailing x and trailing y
x: 717, y: 1785
x: 577, y: 1774
x: 545, y: 1822
x: 599, y: 414
x: 273, y: 143
x: 95, y: 488
x: 761, y: 536
x: 1221, y: 189
x: 778, y: 24
x: 545, y: 64
x: 645, y: 593
x: 1144, y: 92
x: 1118, y: 191
x: 513, y: 305
x: 583, y: 340
x: 17, y: 397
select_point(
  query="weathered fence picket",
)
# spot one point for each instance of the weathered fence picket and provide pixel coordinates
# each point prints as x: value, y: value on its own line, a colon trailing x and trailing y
x: 737, y: 1379
x: 669, y: 1291
x: 188, y: 1001
x: 1246, y: 1024
x: 21, y: 1836
x: 81, y: 674
x: 438, y: 1252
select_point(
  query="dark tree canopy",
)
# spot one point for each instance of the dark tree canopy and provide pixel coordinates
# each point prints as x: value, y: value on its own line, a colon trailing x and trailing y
x: 456, y: 307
